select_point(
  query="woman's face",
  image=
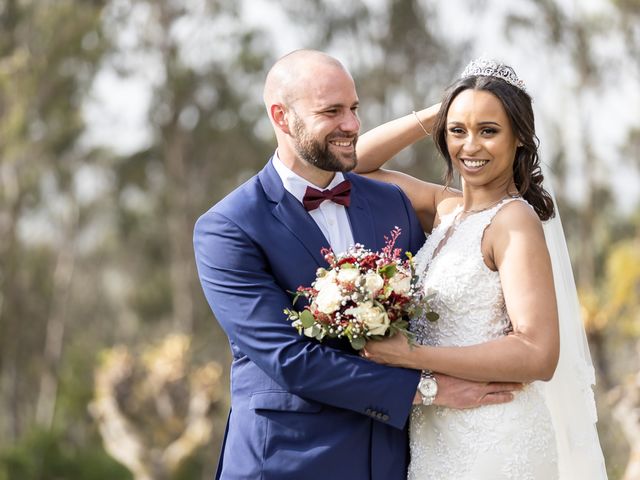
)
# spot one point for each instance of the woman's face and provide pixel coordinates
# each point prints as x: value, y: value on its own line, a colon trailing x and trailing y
x: 480, y: 140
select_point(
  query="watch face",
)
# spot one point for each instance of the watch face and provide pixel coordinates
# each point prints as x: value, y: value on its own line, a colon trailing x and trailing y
x: 428, y: 387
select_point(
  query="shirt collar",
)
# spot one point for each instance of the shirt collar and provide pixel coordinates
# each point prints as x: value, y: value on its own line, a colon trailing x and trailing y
x: 295, y: 184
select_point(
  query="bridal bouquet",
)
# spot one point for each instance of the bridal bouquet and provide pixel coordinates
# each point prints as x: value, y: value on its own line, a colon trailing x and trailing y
x: 362, y: 295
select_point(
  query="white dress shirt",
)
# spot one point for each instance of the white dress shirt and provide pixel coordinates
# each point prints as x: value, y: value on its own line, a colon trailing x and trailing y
x: 331, y: 217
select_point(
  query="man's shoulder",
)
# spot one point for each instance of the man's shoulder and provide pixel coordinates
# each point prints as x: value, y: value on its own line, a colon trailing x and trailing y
x: 239, y: 203
x: 240, y: 198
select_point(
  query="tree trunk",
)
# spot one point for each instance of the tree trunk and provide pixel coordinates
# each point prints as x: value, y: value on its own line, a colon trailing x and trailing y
x: 62, y: 277
x: 9, y: 295
x: 180, y: 234
x: 180, y: 230
x: 121, y: 439
x: 145, y: 456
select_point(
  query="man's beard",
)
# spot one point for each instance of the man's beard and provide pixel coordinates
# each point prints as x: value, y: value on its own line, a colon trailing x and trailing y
x: 317, y: 153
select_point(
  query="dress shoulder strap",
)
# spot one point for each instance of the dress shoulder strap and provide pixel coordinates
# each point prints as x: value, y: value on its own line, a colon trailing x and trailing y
x: 476, y: 224
x: 493, y: 211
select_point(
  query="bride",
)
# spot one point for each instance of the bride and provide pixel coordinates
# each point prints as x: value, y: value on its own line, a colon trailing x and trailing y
x: 490, y: 276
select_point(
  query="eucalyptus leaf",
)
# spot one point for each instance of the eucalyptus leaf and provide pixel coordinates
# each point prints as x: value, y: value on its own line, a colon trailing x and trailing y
x: 389, y: 271
x: 400, y: 325
x: 432, y: 316
x: 296, y: 297
x: 358, y: 343
x: 306, y: 317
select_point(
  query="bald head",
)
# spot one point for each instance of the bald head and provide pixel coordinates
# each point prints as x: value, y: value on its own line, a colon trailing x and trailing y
x: 312, y: 104
x: 294, y: 73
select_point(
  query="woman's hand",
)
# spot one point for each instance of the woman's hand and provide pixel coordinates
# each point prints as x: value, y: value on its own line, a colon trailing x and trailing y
x: 395, y: 351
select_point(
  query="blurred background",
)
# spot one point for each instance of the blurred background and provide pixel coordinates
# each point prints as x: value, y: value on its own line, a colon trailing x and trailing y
x: 121, y: 121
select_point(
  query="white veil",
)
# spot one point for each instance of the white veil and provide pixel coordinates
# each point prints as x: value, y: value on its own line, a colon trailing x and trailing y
x: 569, y: 393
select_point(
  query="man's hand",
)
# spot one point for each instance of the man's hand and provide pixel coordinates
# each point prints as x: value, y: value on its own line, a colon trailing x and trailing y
x: 458, y: 393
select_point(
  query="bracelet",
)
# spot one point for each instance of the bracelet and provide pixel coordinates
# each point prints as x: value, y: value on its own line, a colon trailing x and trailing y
x: 420, y: 123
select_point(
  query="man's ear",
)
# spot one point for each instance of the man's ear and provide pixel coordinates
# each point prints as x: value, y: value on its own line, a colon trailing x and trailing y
x: 280, y: 117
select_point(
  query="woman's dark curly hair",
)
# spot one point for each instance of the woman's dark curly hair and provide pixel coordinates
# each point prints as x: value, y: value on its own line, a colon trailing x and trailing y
x: 527, y: 174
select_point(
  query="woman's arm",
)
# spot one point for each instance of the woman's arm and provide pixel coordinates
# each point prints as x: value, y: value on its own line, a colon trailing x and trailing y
x: 518, y: 249
x: 424, y: 196
x: 382, y: 143
x: 377, y: 146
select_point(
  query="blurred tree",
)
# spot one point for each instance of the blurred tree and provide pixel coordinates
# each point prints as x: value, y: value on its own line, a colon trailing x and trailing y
x: 629, y: 24
x: 49, y: 52
x: 155, y: 410
x: 625, y: 411
x: 205, y: 69
x: 203, y: 114
x: 629, y: 16
x: 617, y: 306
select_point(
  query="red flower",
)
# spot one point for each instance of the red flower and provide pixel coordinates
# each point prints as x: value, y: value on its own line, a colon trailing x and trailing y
x: 369, y: 262
x: 351, y: 260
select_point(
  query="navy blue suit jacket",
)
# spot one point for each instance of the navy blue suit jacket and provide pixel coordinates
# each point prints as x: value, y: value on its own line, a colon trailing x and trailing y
x: 299, y: 408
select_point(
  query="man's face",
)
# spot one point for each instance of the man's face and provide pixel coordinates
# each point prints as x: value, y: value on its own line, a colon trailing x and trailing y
x: 324, y: 123
x: 334, y: 152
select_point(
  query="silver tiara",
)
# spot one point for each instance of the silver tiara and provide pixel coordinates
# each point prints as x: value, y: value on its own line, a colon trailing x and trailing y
x: 491, y: 68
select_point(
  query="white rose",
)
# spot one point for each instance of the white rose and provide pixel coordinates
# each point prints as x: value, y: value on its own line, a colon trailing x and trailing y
x: 325, y: 278
x: 329, y: 298
x: 375, y: 318
x: 400, y: 283
x: 348, y: 275
x: 373, y: 283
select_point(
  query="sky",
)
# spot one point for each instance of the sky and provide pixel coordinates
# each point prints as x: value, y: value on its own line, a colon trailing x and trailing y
x: 117, y: 111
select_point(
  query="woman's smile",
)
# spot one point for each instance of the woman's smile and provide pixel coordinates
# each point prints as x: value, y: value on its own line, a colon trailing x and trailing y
x: 473, y: 164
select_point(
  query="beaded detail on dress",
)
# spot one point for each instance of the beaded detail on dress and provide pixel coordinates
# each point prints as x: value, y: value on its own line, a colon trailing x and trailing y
x: 496, y: 442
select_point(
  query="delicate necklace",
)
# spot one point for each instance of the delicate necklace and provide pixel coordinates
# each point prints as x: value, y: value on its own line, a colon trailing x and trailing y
x: 476, y: 210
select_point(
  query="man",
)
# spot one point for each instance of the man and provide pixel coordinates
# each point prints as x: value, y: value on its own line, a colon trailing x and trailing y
x: 303, y: 409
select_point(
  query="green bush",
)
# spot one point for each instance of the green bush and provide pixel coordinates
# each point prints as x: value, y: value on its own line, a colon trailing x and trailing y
x: 42, y: 455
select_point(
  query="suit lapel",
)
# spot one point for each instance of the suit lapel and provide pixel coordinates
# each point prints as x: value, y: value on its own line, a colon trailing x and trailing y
x: 361, y: 216
x: 292, y: 214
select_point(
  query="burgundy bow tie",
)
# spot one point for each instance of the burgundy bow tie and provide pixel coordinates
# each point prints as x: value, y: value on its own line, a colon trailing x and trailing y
x: 338, y: 194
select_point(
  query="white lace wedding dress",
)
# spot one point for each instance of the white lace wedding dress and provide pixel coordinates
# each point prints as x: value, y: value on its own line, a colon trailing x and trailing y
x: 498, y: 442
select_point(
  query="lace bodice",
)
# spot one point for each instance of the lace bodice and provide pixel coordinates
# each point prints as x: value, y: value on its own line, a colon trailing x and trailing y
x: 467, y: 294
x: 497, y: 442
